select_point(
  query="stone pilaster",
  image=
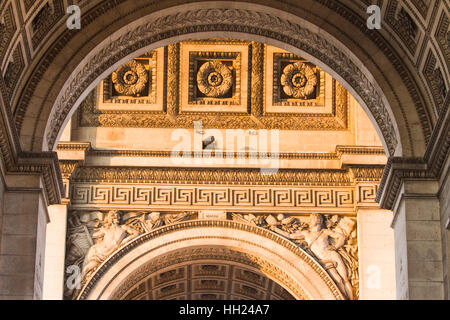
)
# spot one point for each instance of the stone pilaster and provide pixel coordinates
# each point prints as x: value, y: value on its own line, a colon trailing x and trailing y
x: 418, y: 241
x: 23, y: 230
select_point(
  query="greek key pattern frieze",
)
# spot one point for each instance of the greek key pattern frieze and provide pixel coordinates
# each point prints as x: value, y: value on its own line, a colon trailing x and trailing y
x: 207, y: 196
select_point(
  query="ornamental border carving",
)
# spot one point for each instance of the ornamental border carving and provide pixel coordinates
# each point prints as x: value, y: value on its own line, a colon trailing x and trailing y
x: 156, y: 197
x: 230, y: 20
x: 231, y: 176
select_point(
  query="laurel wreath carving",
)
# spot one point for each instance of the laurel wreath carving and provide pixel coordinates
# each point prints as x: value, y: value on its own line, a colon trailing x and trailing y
x: 130, y: 79
x: 214, y: 79
x: 298, y: 80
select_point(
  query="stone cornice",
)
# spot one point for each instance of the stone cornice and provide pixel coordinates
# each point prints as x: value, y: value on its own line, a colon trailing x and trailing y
x: 396, y: 171
x: 74, y: 146
x: 45, y: 164
x: 430, y: 167
x: 16, y: 161
x: 340, y: 151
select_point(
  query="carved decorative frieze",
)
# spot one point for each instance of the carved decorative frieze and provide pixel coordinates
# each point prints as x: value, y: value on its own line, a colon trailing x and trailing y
x: 367, y: 193
x: 204, y: 197
x: 68, y: 167
x: 292, y: 177
x: 186, y: 103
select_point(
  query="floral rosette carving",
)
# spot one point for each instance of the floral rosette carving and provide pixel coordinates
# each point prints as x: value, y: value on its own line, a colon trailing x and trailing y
x: 130, y: 79
x: 298, y: 80
x: 214, y: 79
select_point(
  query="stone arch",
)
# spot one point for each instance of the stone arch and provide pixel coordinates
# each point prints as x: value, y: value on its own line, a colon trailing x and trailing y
x: 43, y: 109
x: 277, y: 258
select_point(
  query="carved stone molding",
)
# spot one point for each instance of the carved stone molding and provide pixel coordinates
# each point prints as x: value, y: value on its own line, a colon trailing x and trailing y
x: 74, y: 146
x: 337, y: 155
x: 45, y: 164
x: 431, y: 167
x: 291, y: 177
x: 17, y: 162
x: 396, y: 171
x: 228, y: 20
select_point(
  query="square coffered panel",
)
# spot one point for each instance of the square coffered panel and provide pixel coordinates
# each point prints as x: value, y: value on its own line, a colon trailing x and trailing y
x: 214, y: 77
x: 295, y: 85
x: 136, y: 86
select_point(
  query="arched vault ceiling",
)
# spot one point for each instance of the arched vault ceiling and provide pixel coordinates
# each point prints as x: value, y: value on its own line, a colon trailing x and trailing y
x: 48, y: 70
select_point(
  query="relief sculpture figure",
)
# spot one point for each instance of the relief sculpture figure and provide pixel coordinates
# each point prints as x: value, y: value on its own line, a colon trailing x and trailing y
x: 110, y: 237
x: 318, y: 242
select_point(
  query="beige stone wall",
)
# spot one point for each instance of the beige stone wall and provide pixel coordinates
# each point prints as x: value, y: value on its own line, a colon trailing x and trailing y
x: 55, y: 246
x: 22, y: 255
x: 376, y: 255
x: 444, y: 200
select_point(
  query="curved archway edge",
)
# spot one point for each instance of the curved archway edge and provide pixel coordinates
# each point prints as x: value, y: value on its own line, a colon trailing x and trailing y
x: 278, y: 258
x: 268, y: 25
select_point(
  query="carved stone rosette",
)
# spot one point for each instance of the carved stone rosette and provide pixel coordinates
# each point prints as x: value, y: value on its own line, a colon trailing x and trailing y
x: 130, y: 79
x: 298, y: 80
x: 214, y: 79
